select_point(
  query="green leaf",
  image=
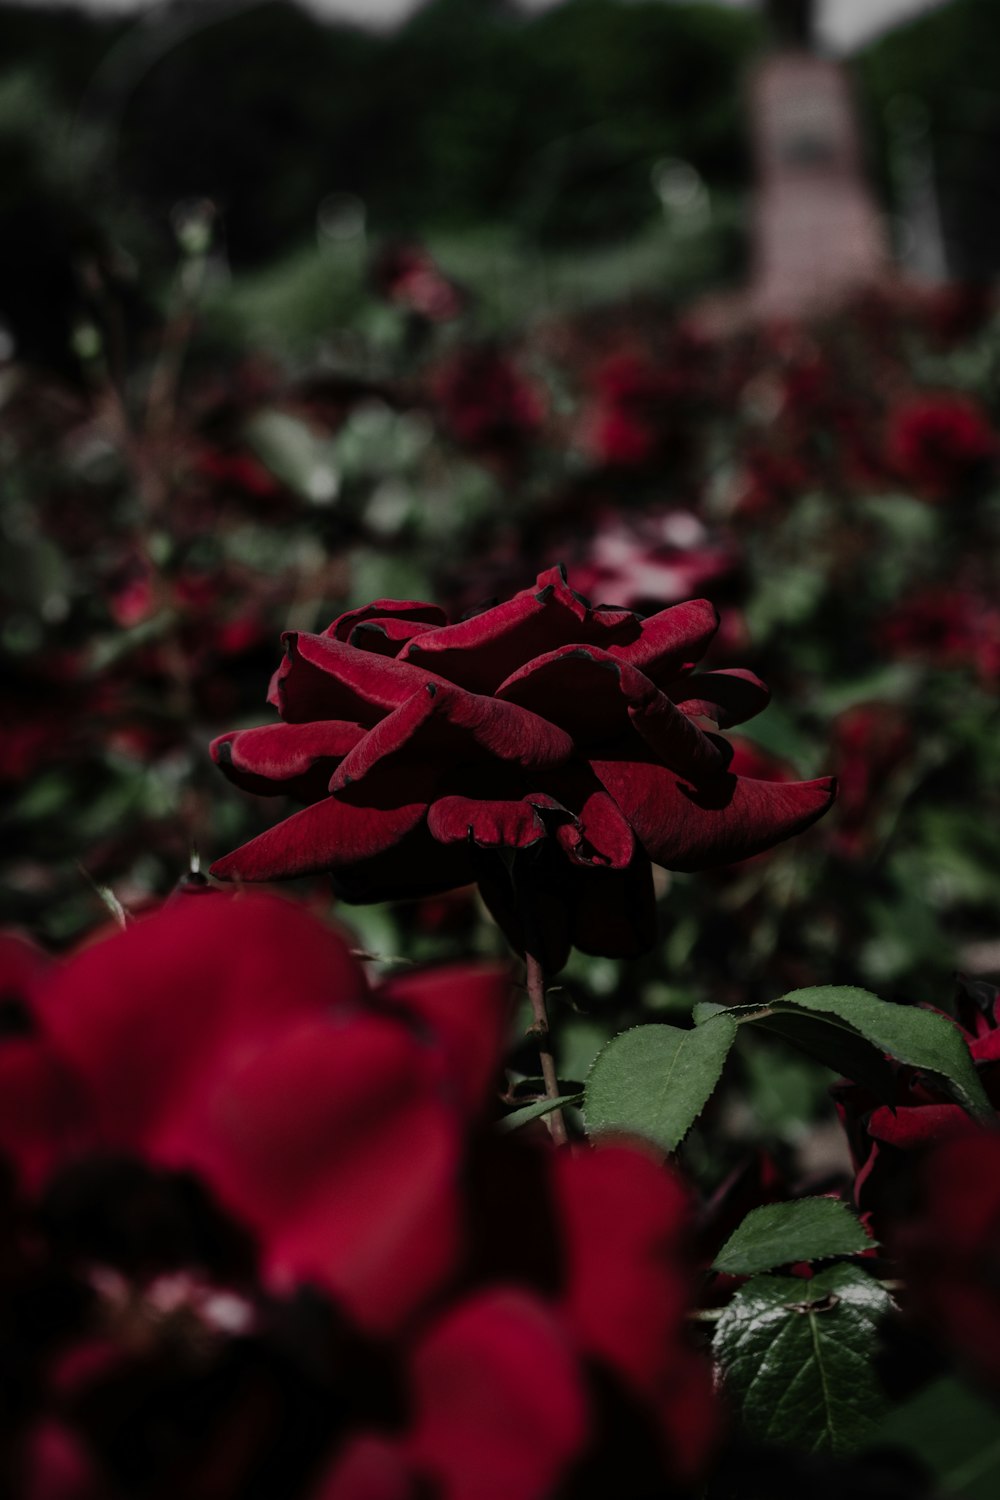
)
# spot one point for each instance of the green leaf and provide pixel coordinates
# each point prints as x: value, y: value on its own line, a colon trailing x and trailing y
x: 796, y: 1358
x: 836, y: 1046
x: 654, y: 1081
x: 916, y: 1037
x: 955, y: 1432
x: 536, y: 1111
x: 780, y: 1233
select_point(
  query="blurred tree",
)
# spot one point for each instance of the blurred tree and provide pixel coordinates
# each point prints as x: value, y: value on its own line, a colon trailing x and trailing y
x: 949, y: 61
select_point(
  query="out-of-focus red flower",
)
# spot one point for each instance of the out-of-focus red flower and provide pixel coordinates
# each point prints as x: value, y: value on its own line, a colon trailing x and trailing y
x: 881, y: 1136
x: 940, y: 443
x: 485, y: 403
x: 632, y: 416
x: 407, y: 275
x: 950, y: 1250
x: 770, y: 480
x: 542, y: 726
x: 949, y: 628
x: 239, y: 473
x: 661, y: 559
x: 489, y: 1314
x: 870, y: 742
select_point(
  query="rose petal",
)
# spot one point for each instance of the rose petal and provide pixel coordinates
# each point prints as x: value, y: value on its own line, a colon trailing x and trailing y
x: 322, y: 678
x: 500, y: 1410
x: 670, y: 640
x: 386, y: 637
x: 370, y: 1468
x: 441, y: 726
x: 482, y: 652
x: 336, y: 1149
x: 727, y: 697
x: 417, y: 865
x: 464, y: 1012
x: 579, y: 688
x: 730, y: 819
x: 907, y: 1128
x: 614, y: 911
x: 294, y: 760
x: 145, y: 1018
x: 397, y: 611
x: 323, y: 837
x: 492, y: 825
x: 626, y: 1223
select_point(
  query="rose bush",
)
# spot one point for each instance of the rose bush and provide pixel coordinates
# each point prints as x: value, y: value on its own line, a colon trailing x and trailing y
x: 561, y: 732
x: 278, y: 1255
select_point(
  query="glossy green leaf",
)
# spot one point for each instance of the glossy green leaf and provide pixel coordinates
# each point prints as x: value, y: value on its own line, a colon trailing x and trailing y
x: 797, y: 1359
x: 917, y: 1037
x: 654, y: 1081
x: 779, y: 1233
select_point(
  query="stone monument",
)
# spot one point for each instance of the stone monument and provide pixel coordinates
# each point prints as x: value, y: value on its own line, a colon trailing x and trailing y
x: 817, y: 234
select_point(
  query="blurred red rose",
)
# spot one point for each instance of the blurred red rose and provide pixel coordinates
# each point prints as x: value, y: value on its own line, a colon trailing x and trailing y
x: 870, y: 742
x: 950, y: 1251
x: 632, y: 416
x: 502, y: 1317
x: 407, y: 275
x: 485, y: 403
x: 940, y: 443
x: 541, y: 726
x: 949, y: 628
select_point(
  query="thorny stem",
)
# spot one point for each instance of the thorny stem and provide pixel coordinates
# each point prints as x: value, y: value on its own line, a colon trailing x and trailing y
x: 535, y: 981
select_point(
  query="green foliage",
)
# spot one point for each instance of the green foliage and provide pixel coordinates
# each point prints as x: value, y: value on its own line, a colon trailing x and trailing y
x: 850, y: 1029
x: 797, y: 1355
x: 779, y: 1234
x: 654, y: 1081
x: 955, y: 1432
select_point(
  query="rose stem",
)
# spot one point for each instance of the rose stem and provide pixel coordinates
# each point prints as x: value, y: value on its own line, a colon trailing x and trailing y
x: 535, y: 980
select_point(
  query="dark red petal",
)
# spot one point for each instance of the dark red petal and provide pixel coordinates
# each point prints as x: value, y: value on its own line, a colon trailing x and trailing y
x: 578, y: 687
x: 326, y: 836
x: 464, y: 1011
x: 24, y: 968
x: 727, y: 697
x: 670, y: 640
x: 322, y: 678
x: 491, y: 825
x: 614, y: 911
x: 594, y: 695
x: 285, y: 759
x: 921, y: 1126
x: 626, y: 1221
x: 368, y: 1468
x: 386, y: 637
x: 43, y: 1114
x: 145, y: 1018
x: 598, y: 835
x: 676, y: 740
x: 415, y: 866
x: 546, y: 896
x: 401, y: 611
x: 729, y: 819
x: 441, y: 726
x: 334, y: 1146
x: 480, y: 653
x: 500, y: 1410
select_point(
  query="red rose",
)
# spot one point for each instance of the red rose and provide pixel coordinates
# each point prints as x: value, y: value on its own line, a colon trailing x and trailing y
x: 542, y: 726
x: 485, y: 1318
x: 949, y: 1253
x: 940, y: 443
x: 485, y: 403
